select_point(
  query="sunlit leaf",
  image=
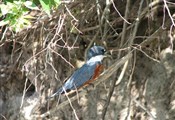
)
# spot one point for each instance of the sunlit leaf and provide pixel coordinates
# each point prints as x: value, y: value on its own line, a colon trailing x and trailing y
x: 29, y: 17
x: 2, y: 23
x: 18, y: 2
x: 46, y: 6
x: 25, y: 21
x: 5, y: 9
x: 31, y: 5
x: 57, y: 2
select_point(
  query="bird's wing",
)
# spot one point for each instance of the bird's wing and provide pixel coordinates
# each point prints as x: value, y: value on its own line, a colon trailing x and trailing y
x: 79, y: 77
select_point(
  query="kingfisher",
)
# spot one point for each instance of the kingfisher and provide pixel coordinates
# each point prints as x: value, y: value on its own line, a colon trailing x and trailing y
x: 86, y: 74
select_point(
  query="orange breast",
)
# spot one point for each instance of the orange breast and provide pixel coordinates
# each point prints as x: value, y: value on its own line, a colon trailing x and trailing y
x: 97, y: 72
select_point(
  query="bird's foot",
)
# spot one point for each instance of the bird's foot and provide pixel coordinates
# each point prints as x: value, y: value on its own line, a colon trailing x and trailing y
x: 89, y: 87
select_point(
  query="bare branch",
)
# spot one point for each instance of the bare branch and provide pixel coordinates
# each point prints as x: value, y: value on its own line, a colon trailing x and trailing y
x: 106, y: 74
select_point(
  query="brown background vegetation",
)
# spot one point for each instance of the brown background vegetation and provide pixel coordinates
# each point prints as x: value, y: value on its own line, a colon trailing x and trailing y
x: 34, y: 62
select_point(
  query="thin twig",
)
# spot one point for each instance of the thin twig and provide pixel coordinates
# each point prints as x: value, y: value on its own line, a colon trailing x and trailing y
x: 166, y: 6
x: 70, y: 13
x: 119, y: 12
x: 130, y: 43
x: 124, y: 26
x: 24, y: 92
x: 137, y: 23
x: 115, y: 80
x: 98, y: 14
x: 106, y: 18
x: 3, y: 117
x: 145, y: 109
x: 112, y: 89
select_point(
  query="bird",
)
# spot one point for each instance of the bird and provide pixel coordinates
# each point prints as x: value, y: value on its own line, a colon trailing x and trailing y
x: 86, y: 74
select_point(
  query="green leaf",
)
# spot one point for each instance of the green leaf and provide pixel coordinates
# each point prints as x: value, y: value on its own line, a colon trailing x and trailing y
x: 5, y: 9
x: 25, y: 22
x: 46, y: 6
x: 4, y: 22
x: 13, y: 20
x: 18, y: 2
x: 20, y: 24
x: 8, y: 1
x: 57, y: 2
x: 31, y: 5
x: 28, y: 17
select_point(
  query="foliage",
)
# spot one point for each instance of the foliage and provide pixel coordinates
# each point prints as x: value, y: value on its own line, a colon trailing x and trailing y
x: 48, y: 4
x: 16, y: 15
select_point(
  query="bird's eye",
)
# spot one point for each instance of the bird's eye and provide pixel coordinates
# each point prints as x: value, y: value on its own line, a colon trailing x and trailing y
x: 103, y: 50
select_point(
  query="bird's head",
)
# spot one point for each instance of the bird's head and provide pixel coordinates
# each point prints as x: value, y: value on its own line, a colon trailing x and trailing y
x: 95, y: 51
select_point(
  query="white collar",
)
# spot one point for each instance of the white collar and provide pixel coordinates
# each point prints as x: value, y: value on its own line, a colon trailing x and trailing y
x: 97, y: 58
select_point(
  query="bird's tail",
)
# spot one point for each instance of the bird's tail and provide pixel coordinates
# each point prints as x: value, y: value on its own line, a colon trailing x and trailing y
x: 56, y: 93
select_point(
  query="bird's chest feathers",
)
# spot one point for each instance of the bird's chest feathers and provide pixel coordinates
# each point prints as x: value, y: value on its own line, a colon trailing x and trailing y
x: 98, y: 70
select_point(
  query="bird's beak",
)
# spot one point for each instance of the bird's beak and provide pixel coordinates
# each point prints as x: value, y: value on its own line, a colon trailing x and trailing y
x: 108, y: 54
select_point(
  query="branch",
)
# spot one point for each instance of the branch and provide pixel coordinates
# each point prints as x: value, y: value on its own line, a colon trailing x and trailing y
x: 104, y: 76
x: 121, y: 44
x: 130, y: 43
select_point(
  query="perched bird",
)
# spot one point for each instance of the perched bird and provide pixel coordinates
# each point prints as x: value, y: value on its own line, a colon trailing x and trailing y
x: 87, y: 73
